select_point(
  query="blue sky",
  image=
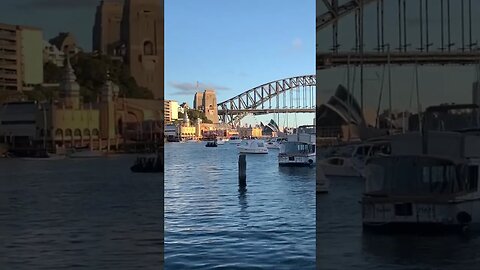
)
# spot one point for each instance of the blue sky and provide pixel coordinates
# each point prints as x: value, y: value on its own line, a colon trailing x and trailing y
x: 53, y: 16
x: 233, y: 46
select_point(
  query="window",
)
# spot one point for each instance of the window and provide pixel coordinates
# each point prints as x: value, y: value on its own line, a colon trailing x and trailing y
x: 148, y: 48
x: 472, y: 178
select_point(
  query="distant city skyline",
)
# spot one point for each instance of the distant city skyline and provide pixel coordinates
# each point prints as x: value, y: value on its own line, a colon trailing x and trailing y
x: 233, y: 46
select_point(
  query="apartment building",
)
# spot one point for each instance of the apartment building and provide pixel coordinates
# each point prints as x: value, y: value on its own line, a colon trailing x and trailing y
x: 21, y: 57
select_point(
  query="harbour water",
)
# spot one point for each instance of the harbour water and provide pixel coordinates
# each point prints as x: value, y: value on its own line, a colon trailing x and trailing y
x: 211, y: 224
x: 342, y: 244
x: 79, y: 213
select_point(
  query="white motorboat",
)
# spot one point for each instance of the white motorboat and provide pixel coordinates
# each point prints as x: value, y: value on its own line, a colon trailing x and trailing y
x: 274, y: 143
x: 299, y: 148
x: 252, y: 147
x: 234, y: 140
x: 350, y: 161
x: 220, y: 141
x: 86, y: 154
x: 430, y: 180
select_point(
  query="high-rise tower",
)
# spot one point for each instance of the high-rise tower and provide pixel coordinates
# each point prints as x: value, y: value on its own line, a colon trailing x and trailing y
x: 142, y: 32
x: 107, y: 28
x: 133, y: 30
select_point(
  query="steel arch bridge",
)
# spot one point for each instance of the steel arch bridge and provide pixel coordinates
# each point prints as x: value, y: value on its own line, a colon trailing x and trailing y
x: 453, y: 42
x: 297, y: 94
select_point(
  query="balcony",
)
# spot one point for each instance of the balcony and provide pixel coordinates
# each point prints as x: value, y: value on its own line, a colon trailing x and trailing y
x: 12, y: 36
x: 8, y: 56
x: 8, y: 46
x: 9, y: 66
x: 8, y: 75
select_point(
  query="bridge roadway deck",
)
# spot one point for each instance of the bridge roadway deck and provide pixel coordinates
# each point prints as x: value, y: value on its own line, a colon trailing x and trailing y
x: 330, y: 60
x: 266, y: 111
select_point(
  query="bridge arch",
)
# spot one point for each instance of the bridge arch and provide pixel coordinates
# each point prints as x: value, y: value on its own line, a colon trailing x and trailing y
x: 258, y: 100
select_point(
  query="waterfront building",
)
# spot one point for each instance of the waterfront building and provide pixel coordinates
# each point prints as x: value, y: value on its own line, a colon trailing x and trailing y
x: 21, y: 57
x: 250, y: 131
x: 19, y: 121
x: 171, y: 110
x: 133, y: 31
x: 171, y: 132
x: 70, y: 123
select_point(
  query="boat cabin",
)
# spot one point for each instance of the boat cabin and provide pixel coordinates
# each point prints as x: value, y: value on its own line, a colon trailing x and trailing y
x: 425, y: 176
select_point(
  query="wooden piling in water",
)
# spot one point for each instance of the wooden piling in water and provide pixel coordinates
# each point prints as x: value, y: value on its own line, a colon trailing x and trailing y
x: 242, y: 171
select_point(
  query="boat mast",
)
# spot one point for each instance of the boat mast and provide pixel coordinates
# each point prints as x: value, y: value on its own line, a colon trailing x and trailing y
x: 44, y: 127
x: 419, y: 107
x: 389, y: 86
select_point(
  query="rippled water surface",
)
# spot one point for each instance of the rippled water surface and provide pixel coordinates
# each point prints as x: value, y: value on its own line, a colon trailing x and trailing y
x: 211, y: 224
x: 83, y: 214
x: 343, y: 245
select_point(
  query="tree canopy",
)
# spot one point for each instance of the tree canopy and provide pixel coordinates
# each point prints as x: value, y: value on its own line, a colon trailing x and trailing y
x: 193, y: 115
x: 91, y: 71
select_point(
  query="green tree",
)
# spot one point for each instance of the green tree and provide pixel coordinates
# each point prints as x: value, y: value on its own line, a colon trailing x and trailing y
x: 193, y: 115
x: 41, y: 93
x: 52, y: 73
x: 91, y: 71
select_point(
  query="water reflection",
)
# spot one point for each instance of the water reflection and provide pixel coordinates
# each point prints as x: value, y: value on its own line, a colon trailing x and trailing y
x: 342, y: 243
x: 212, y: 223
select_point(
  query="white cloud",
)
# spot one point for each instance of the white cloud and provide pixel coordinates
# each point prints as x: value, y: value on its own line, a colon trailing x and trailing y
x: 297, y: 43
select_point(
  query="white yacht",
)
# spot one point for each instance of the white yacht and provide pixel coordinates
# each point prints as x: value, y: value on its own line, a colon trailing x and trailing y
x: 252, y: 147
x: 430, y: 180
x: 299, y: 148
x: 234, y: 140
x: 220, y: 141
x: 274, y: 143
x: 350, y: 160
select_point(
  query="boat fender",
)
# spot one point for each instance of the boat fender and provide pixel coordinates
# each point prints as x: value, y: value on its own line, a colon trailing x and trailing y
x: 310, y: 161
x: 464, y: 217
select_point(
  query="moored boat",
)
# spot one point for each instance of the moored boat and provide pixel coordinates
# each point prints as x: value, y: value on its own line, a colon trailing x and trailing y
x: 252, y: 147
x: 234, y: 140
x: 211, y: 144
x: 299, y: 149
x: 148, y: 165
x: 430, y: 180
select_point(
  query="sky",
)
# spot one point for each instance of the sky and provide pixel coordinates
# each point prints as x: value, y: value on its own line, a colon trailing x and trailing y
x: 233, y: 46
x: 53, y: 16
x: 437, y: 84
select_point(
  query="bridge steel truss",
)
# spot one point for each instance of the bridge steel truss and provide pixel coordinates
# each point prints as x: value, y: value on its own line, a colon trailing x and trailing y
x: 258, y: 100
x: 452, y: 42
x: 417, y: 44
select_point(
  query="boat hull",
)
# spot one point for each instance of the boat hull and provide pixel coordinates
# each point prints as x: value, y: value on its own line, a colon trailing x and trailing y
x: 296, y: 161
x: 252, y: 152
x: 383, y: 215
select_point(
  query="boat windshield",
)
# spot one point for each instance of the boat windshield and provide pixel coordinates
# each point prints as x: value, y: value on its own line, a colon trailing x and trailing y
x: 414, y: 176
x: 298, y: 147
